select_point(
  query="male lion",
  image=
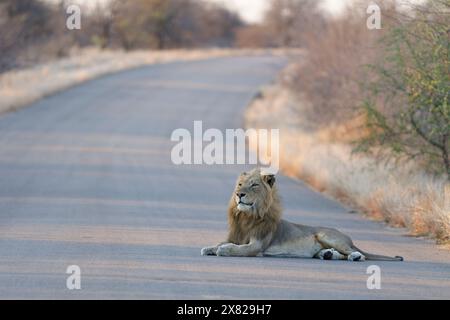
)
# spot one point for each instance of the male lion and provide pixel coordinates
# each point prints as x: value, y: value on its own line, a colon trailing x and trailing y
x: 256, y: 227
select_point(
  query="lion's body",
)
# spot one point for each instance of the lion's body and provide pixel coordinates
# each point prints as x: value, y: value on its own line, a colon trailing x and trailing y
x: 256, y: 228
x: 293, y: 240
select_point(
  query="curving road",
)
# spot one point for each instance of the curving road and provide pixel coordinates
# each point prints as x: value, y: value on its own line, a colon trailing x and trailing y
x: 86, y: 179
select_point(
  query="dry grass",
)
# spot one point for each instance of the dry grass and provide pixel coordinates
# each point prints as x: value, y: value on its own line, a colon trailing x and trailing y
x: 400, y: 195
x: 19, y: 88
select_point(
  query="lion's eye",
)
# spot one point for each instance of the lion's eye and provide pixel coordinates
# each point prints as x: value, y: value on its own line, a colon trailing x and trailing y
x: 255, y: 185
x: 240, y: 184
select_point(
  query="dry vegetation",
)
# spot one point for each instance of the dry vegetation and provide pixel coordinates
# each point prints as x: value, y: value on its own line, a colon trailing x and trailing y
x: 34, y: 31
x: 401, y: 195
x: 320, y: 105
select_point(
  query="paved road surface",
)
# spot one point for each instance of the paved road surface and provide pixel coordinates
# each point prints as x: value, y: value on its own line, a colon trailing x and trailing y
x: 86, y: 179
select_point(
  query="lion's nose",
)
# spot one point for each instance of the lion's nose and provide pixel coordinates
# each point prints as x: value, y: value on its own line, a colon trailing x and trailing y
x: 240, y: 195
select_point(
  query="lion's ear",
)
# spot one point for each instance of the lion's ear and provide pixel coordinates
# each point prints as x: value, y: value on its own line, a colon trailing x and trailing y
x: 269, y: 179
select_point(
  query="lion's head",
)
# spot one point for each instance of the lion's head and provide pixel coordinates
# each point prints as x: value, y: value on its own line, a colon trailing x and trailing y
x: 255, y: 208
x: 255, y: 193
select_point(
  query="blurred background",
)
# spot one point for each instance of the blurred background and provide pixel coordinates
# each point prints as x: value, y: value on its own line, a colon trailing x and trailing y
x: 35, y: 30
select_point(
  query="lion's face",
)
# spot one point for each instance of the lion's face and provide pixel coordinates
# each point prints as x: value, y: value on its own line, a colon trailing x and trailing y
x: 253, y: 192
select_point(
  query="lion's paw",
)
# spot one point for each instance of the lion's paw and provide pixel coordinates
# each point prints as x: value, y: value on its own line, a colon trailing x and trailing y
x: 326, y: 254
x: 356, y: 256
x: 209, y: 251
x: 330, y: 254
x: 224, y: 250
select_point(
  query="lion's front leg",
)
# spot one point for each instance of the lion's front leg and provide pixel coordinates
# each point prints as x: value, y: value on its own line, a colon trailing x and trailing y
x: 246, y: 250
x: 209, y: 251
x: 212, y: 251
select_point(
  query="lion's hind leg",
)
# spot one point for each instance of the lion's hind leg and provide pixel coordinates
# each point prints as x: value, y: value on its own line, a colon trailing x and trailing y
x: 340, y: 242
x: 330, y: 254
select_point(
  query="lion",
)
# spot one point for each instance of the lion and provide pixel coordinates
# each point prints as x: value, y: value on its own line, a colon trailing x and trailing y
x: 256, y: 228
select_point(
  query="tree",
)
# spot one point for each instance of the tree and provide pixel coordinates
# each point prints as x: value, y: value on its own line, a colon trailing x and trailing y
x: 172, y: 23
x: 22, y: 22
x: 288, y: 20
x: 408, y: 109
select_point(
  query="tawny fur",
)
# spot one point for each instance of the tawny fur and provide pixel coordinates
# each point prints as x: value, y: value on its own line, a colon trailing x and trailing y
x: 256, y: 228
x: 242, y: 226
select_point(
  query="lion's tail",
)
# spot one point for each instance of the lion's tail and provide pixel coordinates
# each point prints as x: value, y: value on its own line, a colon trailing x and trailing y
x: 377, y: 257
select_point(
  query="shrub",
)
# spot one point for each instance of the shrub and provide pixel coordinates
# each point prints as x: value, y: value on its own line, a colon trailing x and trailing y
x: 408, y: 107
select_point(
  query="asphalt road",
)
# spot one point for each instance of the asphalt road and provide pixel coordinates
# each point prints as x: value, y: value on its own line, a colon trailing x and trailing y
x: 86, y: 179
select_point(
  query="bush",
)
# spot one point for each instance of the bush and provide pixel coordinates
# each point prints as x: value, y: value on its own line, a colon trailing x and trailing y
x: 408, y: 107
x: 22, y: 23
x: 287, y: 23
x: 164, y: 24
